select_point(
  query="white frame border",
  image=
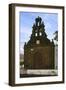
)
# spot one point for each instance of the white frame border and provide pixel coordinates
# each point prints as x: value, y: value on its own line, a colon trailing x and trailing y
x: 19, y: 80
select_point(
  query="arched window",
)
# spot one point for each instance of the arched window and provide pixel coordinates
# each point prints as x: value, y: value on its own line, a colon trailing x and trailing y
x: 40, y: 34
x: 36, y: 34
x: 38, y: 23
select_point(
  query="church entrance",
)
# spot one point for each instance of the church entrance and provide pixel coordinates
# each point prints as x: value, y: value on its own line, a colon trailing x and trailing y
x: 37, y: 60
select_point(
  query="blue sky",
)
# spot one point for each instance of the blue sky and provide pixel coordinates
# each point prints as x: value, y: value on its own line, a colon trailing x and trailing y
x: 26, y: 21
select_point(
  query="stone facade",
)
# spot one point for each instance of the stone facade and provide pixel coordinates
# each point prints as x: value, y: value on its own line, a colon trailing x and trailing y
x: 39, y: 51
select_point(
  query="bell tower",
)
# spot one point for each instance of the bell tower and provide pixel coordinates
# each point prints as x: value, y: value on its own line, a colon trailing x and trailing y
x: 38, y: 29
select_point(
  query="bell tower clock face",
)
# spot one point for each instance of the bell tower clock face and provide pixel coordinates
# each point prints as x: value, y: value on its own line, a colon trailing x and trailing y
x: 37, y: 41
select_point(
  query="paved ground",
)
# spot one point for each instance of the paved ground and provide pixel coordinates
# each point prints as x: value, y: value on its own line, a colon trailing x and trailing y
x: 38, y: 72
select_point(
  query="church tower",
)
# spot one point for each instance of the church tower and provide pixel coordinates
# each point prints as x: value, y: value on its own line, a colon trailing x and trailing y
x: 39, y: 51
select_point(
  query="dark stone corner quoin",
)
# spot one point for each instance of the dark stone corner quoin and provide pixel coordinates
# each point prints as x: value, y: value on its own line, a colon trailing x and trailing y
x: 39, y: 50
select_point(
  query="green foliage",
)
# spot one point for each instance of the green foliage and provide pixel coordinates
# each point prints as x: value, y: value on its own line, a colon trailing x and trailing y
x: 56, y: 35
x: 21, y: 62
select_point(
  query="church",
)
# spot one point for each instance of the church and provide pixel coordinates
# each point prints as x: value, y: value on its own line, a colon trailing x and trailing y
x: 39, y: 50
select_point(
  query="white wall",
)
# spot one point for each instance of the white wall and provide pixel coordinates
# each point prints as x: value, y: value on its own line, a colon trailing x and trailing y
x: 4, y: 45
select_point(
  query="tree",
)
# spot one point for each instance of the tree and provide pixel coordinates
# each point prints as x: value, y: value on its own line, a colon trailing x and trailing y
x: 56, y: 36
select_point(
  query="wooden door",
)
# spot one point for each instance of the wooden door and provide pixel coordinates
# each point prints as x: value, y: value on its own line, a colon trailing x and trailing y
x: 37, y: 60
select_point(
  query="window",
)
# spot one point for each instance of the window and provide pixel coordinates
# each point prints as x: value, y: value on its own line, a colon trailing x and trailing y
x: 36, y: 34
x: 40, y: 33
x: 38, y: 23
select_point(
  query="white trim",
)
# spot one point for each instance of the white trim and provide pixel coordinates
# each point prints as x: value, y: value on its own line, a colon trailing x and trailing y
x: 17, y: 70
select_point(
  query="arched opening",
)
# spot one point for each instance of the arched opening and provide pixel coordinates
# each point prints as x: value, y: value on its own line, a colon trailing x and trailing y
x: 37, y: 60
